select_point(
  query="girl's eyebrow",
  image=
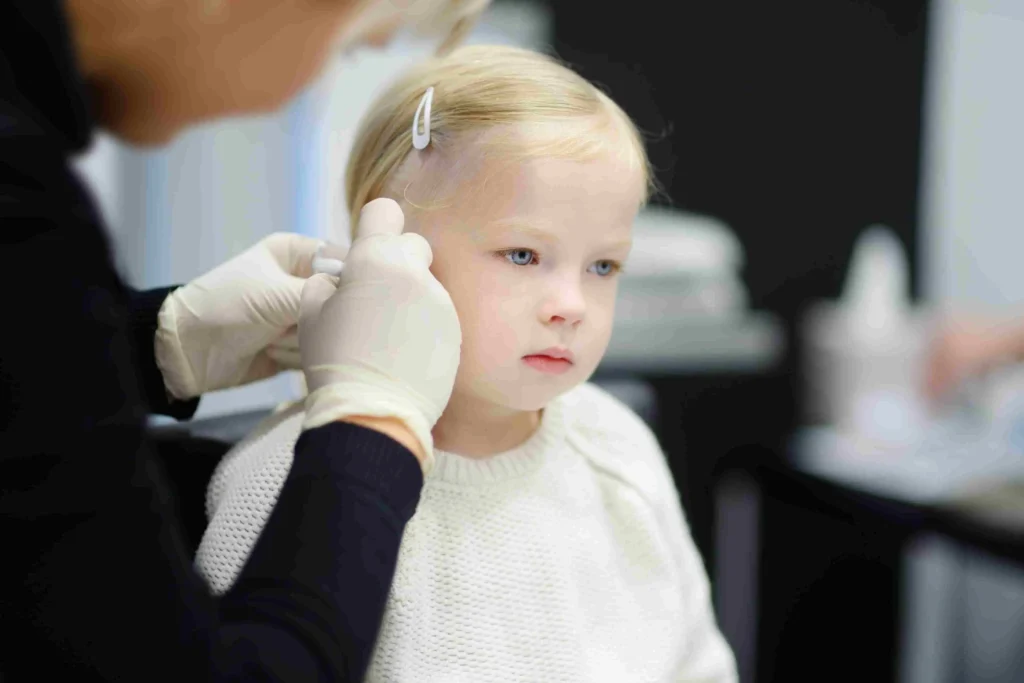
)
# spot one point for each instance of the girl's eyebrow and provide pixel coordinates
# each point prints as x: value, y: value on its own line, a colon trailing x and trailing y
x: 619, y: 244
x: 524, y: 228
x: 528, y: 229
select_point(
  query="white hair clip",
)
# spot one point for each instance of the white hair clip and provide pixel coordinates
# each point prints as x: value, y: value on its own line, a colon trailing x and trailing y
x: 421, y: 140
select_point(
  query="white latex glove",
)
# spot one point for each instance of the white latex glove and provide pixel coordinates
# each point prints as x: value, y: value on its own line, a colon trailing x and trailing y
x: 383, y: 340
x: 237, y: 323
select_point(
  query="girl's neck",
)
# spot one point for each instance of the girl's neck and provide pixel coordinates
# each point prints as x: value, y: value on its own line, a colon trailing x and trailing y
x: 474, y: 428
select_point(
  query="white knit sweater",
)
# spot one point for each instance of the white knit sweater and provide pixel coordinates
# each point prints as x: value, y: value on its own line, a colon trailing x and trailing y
x: 565, y: 559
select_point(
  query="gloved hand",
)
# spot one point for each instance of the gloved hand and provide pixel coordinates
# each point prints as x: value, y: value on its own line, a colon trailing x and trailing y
x: 385, y: 340
x: 237, y: 323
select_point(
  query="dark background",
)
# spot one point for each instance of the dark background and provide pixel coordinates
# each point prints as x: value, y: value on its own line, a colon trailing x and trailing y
x: 797, y: 123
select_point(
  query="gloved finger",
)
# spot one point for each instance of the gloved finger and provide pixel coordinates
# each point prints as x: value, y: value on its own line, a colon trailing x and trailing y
x: 331, y: 250
x: 288, y: 340
x: 262, y: 367
x: 417, y: 249
x: 287, y: 358
x: 279, y: 303
x: 329, y: 259
x: 294, y: 253
x: 381, y: 217
x: 285, y: 350
x: 315, y: 292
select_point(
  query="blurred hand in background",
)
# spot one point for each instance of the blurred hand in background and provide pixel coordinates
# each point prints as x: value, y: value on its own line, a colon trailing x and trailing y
x: 966, y: 346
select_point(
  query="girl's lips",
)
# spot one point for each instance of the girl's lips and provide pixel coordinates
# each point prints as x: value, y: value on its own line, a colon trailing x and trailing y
x: 557, y: 352
x: 547, y: 364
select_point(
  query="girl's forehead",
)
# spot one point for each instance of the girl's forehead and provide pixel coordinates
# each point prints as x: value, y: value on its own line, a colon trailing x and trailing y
x: 537, y: 195
x: 551, y: 184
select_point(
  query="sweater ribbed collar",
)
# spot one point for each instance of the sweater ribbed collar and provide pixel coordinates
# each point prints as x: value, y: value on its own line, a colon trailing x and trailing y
x: 517, y: 462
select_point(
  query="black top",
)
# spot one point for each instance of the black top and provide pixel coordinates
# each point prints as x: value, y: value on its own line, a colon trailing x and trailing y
x: 95, y: 580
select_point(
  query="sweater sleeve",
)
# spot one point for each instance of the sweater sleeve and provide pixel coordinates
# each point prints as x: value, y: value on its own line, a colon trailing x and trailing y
x: 241, y: 495
x: 706, y: 656
x: 143, y: 309
x: 629, y: 448
x: 96, y: 583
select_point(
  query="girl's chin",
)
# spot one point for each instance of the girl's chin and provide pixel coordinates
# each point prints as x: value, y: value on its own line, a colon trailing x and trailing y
x: 528, y: 395
x: 531, y: 399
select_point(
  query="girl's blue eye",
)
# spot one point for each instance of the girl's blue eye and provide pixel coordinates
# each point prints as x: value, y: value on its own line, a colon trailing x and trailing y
x: 605, y: 268
x: 520, y: 257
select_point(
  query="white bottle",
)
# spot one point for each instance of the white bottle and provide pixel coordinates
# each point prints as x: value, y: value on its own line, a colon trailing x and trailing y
x: 875, y: 299
x: 865, y: 349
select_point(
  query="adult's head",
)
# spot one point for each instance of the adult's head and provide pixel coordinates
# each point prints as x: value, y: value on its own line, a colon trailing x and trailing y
x: 154, y: 67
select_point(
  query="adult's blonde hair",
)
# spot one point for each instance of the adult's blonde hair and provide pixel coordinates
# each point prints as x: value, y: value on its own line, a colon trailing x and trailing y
x: 449, y: 21
x: 515, y: 103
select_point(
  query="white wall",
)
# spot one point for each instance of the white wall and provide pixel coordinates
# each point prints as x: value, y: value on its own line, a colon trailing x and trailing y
x: 973, y: 166
x: 965, y: 613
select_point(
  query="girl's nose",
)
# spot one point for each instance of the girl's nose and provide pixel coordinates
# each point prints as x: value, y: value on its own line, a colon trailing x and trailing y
x: 565, y: 305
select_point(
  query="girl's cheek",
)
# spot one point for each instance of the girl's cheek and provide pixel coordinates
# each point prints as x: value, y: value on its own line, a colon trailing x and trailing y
x: 502, y: 304
x: 498, y: 319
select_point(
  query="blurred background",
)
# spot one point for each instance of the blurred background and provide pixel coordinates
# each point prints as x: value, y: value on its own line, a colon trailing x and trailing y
x: 839, y: 175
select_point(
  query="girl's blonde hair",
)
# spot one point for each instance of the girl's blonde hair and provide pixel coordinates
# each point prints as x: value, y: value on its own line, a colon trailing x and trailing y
x: 516, y: 103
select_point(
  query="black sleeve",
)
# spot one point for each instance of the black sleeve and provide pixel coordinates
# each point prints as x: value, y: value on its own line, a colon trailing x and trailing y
x: 143, y: 309
x: 96, y: 582
x: 323, y: 565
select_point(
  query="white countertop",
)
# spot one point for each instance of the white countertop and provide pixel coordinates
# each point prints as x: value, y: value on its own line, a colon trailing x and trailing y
x: 685, y: 344
x: 948, y: 462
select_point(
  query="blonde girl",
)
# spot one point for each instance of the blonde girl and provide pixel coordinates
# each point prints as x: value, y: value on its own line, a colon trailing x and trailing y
x: 549, y: 543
